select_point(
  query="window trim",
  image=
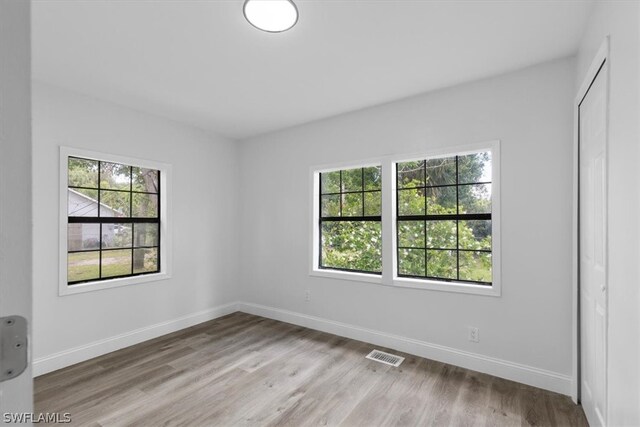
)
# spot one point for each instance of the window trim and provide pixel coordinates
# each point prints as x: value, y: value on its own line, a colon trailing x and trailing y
x: 315, y: 269
x: 165, y: 227
x: 389, y: 275
x: 426, y: 217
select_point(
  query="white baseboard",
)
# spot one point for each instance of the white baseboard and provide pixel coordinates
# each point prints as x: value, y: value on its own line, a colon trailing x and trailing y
x: 500, y: 368
x: 75, y: 355
x: 529, y: 375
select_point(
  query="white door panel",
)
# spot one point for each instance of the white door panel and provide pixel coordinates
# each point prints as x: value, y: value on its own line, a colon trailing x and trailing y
x: 593, y: 249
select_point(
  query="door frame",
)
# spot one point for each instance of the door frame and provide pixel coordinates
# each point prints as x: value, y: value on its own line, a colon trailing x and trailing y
x: 16, y: 394
x: 599, y: 59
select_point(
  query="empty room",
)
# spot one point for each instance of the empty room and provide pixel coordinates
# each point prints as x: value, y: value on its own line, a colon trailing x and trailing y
x: 320, y: 212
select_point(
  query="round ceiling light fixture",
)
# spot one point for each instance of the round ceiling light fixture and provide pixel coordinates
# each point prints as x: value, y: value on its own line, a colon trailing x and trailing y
x: 273, y: 16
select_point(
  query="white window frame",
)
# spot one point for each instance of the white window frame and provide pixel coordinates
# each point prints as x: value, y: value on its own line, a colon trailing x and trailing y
x: 389, y: 275
x: 315, y: 269
x: 165, y: 225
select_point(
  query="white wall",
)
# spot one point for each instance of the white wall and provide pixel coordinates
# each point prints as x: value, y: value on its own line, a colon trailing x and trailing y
x: 204, y: 217
x: 621, y: 21
x: 15, y: 185
x: 530, y: 112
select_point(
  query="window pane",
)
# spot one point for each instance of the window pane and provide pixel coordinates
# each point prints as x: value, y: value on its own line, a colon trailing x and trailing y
x: 373, y: 178
x: 145, y: 234
x: 442, y: 264
x: 330, y: 182
x: 475, y: 198
x: 115, y: 176
x: 474, y: 168
x: 145, y: 205
x: 83, y: 173
x: 352, y: 204
x: 82, y: 202
x: 411, y: 174
x: 352, y: 245
x: 441, y: 200
x: 452, y: 187
x: 116, y: 235
x: 411, y: 202
x: 111, y: 190
x: 145, y: 260
x: 331, y: 205
x: 411, y: 234
x: 83, y: 236
x: 475, y: 266
x: 475, y: 234
x: 373, y: 204
x: 83, y: 266
x: 411, y: 262
x: 116, y: 262
x: 442, y: 234
x: 352, y: 179
x: 441, y: 171
x: 144, y: 179
x: 114, y: 203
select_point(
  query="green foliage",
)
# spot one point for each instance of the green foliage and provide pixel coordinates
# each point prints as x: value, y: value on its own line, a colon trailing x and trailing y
x: 82, y: 266
x: 122, y: 235
x: 83, y: 173
x: 351, y: 192
x: 116, y: 176
x: 439, y: 250
x: 330, y: 182
x: 352, y: 245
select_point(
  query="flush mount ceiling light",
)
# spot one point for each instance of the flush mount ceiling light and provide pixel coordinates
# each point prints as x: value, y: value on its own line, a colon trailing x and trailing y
x: 273, y: 16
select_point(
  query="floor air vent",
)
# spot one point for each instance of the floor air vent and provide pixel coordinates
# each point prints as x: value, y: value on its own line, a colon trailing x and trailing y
x: 386, y: 358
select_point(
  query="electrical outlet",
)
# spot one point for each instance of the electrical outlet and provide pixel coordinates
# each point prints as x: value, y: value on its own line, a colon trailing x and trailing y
x: 474, y: 334
x: 307, y: 295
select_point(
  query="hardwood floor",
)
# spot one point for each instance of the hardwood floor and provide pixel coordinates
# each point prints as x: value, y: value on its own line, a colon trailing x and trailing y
x: 248, y: 370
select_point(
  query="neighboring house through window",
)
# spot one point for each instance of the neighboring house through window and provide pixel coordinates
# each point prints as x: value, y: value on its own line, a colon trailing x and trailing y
x: 114, y: 220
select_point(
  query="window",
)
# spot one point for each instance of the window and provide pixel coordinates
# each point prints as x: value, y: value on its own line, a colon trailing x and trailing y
x: 425, y: 221
x: 350, y: 220
x: 114, y: 223
x: 444, y: 218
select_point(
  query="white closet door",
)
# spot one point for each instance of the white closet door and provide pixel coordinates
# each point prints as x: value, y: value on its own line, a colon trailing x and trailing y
x: 593, y: 249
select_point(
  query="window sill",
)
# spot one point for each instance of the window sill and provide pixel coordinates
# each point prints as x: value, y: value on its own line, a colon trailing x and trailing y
x: 346, y: 275
x: 409, y: 283
x: 65, y: 289
x: 435, y: 285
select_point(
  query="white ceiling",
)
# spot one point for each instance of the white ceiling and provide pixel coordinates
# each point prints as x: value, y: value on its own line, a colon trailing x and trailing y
x: 201, y: 63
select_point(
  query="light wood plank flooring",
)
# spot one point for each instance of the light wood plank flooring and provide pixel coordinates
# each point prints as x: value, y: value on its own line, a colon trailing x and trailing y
x: 248, y: 370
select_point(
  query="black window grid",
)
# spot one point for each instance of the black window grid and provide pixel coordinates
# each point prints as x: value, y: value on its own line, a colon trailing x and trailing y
x: 101, y: 220
x: 457, y: 217
x: 341, y: 218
